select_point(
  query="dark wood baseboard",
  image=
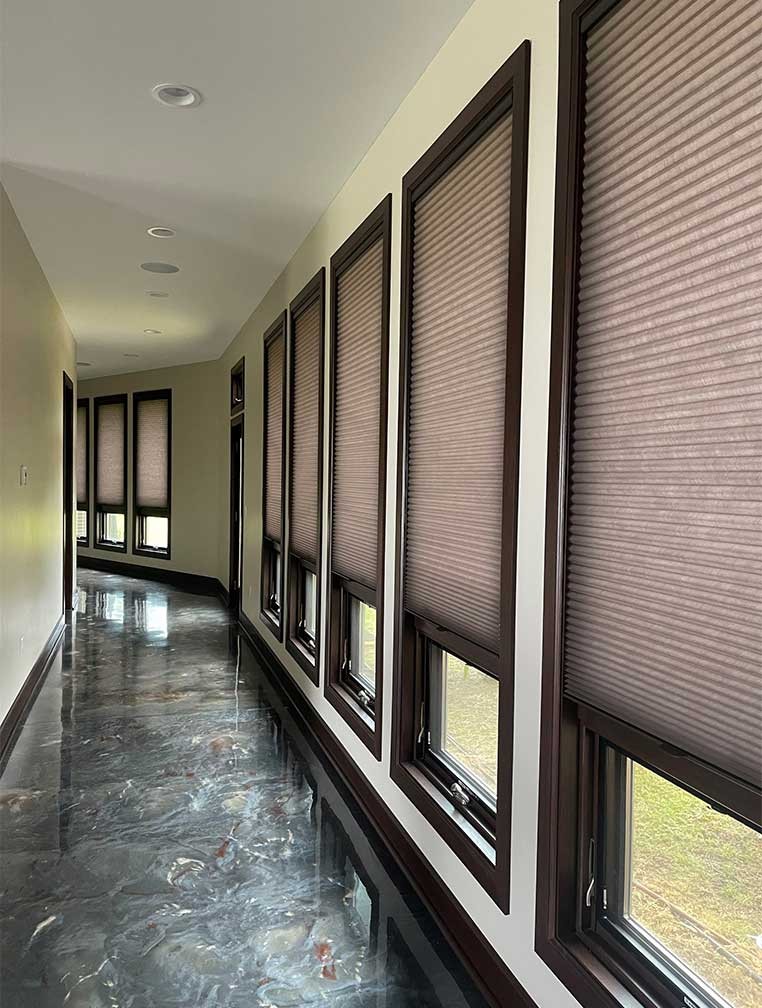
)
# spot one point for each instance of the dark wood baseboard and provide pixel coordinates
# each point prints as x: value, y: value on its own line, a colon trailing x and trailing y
x: 31, y: 686
x: 489, y: 972
x: 195, y: 584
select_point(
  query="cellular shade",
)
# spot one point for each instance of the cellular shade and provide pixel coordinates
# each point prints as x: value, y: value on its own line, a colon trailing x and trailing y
x: 305, y: 432
x: 152, y: 453
x: 110, y: 445
x: 663, y: 624
x: 357, y: 405
x: 274, y: 365
x: 82, y: 418
x: 457, y: 377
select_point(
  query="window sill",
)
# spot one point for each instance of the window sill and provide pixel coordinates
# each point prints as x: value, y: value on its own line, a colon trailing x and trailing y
x: 306, y: 661
x: 160, y: 554
x: 476, y: 853
x: 111, y: 547
x: 366, y: 726
x: 587, y: 976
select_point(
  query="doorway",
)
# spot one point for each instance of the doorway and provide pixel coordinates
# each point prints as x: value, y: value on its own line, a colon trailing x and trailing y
x: 235, y: 586
x: 68, y: 492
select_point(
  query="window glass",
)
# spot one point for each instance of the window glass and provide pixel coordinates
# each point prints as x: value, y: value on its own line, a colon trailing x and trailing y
x: 275, y: 580
x: 362, y: 643
x: 463, y: 704
x: 310, y: 604
x: 81, y: 524
x: 155, y: 533
x: 112, y: 526
x: 694, y: 885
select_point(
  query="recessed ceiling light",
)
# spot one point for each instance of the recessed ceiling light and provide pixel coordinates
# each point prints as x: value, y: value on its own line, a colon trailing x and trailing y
x: 161, y: 232
x: 131, y: 355
x: 153, y: 332
x: 157, y: 294
x: 177, y: 95
x: 84, y: 363
x: 159, y: 267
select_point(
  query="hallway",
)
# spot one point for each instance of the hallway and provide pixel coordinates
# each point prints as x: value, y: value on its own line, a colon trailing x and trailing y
x: 170, y: 838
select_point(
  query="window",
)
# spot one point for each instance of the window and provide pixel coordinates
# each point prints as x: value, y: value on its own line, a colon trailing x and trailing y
x: 683, y: 884
x: 152, y: 466
x: 273, y: 509
x: 111, y: 472
x: 305, y: 474
x: 463, y: 255
x: 463, y: 728
x: 359, y: 362
x: 651, y: 747
x: 237, y: 387
x: 83, y: 471
x: 362, y: 650
x: 153, y: 533
x: 81, y: 526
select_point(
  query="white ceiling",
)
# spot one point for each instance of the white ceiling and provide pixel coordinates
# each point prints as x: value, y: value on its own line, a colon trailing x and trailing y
x: 295, y: 91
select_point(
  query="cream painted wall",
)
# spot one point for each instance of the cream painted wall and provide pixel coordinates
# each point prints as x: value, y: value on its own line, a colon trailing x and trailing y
x: 36, y: 347
x: 486, y: 36
x: 198, y: 430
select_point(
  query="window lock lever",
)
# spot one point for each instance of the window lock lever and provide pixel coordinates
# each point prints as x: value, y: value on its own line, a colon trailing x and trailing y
x: 591, y: 872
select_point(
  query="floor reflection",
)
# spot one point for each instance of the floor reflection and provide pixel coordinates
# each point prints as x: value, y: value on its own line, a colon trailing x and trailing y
x: 169, y: 837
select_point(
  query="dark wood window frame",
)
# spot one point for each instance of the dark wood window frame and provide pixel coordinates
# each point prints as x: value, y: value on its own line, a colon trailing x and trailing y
x: 84, y: 505
x: 305, y: 652
x: 101, y: 510
x: 361, y: 710
x: 270, y: 550
x: 575, y: 940
x: 238, y: 380
x: 141, y: 513
x: 485, y: 850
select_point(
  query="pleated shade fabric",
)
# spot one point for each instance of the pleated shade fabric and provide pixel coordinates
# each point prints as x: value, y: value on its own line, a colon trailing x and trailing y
x: 111, y: 433
x: 357, y: 411
x: 274, y: 364
x: 305, y: 433
x: 152, y: 453
x: 457, y: 377
x: 83, y: 413
x: 663, y: 624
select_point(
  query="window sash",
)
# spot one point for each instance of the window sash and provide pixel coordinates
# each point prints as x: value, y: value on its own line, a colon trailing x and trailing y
x: 140, y: 526
x: 443, y: 772
x: 100, y: 530
x: 361, y: 691
x: 633, y: 955
x: 272, y: 580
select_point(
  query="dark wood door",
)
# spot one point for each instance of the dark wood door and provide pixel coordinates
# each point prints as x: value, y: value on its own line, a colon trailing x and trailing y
x: 68, y: 492
x: 236, y: 514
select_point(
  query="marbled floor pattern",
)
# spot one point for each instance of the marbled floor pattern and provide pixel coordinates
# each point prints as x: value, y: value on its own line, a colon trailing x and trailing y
x: 168, y: 837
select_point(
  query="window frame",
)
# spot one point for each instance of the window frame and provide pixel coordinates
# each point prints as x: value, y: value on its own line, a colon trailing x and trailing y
x: 139, y: 513
x: 308, y: 661
x: 486, y: 856
x: 597, y: 972
x: 84, y: 403
x: 102, y: 509
x: 238, y: 370
x: 343, y: 691
x: 274, y: 622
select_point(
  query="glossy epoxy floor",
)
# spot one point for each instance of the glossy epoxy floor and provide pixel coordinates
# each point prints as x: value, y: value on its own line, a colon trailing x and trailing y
x: 169, y: 838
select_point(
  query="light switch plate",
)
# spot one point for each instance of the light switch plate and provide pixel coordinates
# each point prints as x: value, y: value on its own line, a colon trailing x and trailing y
x: 23, y: 475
